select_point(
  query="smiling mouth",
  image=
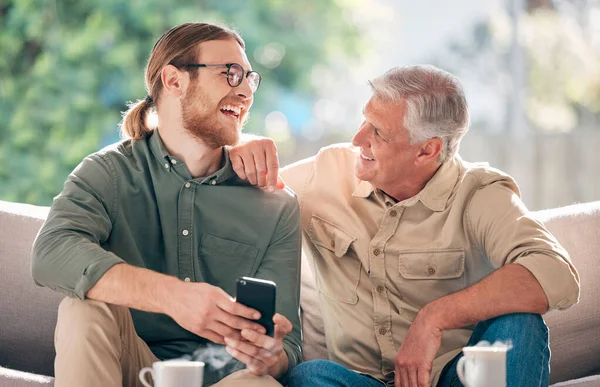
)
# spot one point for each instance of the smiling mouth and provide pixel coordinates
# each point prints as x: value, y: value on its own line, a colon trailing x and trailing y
x: 231, y: 111
x: 366, y: 158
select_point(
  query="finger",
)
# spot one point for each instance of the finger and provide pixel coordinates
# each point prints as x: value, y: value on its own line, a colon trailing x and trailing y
x: 280, y: 184
x: 253, y: 351
x: 412, y: 377
x: 230, y: 306
x: 261, y: 169
x: 272, y: 165
x: 238, y: 323
x: 212, y: 336
x: 397, y: 377
x: 224, y: 330
x: 260, y: 340
x: 283, y: 326
x: 250, y: 169
x: 423, y: 377
x: 237, y: 163
x: 255, y: 366
x: 404, y: 377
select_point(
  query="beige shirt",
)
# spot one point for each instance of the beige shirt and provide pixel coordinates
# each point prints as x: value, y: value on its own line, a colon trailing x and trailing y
x: 377, y: 262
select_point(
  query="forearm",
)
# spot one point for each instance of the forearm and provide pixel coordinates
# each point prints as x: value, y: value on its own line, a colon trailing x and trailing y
x: 510, y: 289
x: 135, y: 287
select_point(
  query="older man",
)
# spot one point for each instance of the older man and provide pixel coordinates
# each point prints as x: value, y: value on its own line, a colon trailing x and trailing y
x: 417, y: 253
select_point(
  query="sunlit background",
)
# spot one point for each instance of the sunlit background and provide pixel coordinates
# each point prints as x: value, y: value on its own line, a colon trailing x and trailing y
x: 531, y: 69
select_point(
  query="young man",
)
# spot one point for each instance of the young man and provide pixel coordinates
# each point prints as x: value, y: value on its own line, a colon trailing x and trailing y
x: 149, y: 235
x: 417, y: 253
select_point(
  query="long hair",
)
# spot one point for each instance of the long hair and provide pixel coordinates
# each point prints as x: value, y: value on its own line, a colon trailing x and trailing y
x: 177, y: 46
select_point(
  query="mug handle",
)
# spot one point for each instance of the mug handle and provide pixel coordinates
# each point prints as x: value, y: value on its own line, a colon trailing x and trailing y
x: 143, y: 373
x: 460, y: 370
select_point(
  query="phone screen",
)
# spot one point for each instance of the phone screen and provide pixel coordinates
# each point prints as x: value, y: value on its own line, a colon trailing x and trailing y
x: 260, y: 295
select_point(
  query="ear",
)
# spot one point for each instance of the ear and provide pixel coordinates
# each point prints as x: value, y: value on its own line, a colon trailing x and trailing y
x: 429, y: 151
x: 174, y: 80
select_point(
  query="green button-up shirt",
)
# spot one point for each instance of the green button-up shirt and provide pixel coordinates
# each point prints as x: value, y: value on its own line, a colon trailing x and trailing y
x: 133, y: 202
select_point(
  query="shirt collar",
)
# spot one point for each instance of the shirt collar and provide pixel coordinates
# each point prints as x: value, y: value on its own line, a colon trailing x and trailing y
x: 160, y: 152
x: 436, y: 193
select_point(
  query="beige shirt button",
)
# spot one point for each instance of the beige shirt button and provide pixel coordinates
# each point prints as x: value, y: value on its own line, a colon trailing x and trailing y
x: 431, y: 271
x: 393, y: 213
x: 185, y: 232
x: 187, y: 279
x: 332, y: 243
x: 213, y: 182
x: 382, y: 331
x: 188, y: 185
x: 376, y: 251
x: 380, y: 288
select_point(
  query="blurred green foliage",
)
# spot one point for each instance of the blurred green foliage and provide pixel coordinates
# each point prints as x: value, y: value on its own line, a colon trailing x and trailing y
x: 67, y: 68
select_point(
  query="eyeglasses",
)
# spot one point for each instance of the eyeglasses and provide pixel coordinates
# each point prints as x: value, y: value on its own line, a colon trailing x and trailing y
x: 235, y: 74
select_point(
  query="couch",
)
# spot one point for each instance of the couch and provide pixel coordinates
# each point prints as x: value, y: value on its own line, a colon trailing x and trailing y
x: 28, y: 312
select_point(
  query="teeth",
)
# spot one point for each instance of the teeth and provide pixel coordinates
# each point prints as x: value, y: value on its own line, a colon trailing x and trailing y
x: 366, y: 158
x: 235, y: 109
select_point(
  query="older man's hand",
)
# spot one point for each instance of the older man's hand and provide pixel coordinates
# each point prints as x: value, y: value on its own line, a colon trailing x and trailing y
x: 257, y: 161
x: 414, y: 360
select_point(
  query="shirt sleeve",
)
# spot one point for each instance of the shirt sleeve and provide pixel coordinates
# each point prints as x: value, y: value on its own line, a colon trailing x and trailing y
x: 297, y: 176
x: 506, y: 232
x: 67, y: 255
x: 281, y: 264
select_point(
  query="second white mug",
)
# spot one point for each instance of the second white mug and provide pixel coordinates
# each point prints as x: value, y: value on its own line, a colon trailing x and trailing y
x: 174, y: 373
x: 483, y: 366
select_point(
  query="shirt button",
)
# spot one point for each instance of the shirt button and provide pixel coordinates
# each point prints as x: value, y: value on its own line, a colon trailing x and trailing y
x: 431, y: 271
x: 185, y: 232
x: 382, y: 331
x: 332, y: 243
x: 393, y: 213
x: 173, y: 161
x: 187, y: 279
x: 167, y: 165
x: 376, y: 251
x: 188, y: 185
x: 380, y: 288
x: 213, y: 182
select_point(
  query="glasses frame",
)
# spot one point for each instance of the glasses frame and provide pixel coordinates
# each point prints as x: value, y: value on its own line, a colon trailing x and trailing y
x: 229, y: 66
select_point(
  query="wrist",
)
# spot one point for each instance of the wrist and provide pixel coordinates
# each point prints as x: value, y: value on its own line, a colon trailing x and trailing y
x: 166, y: 292
x: 281, y: 367
x: 433, y: 316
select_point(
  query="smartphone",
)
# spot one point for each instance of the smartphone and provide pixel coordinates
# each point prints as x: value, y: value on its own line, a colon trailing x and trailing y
x: 258, y: 294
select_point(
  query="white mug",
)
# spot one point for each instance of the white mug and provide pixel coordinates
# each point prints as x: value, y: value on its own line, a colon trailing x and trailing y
x: 174, y: 373
x: 483, y: 366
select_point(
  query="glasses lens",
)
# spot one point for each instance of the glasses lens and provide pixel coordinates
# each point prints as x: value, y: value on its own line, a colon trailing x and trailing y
x: 253, y: 80
x: 236, y: 73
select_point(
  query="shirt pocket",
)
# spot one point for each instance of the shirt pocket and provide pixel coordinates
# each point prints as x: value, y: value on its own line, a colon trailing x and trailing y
x: 338, y: 268
x: 432, y: 274
x: 222, y: 261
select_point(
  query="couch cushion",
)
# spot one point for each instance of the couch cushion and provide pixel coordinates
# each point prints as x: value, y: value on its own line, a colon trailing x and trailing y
x: 574, y: 339
x: 12, y: 378
x: 28, y: 314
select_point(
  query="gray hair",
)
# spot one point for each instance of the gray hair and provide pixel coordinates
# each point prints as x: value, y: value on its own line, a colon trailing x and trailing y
x: 435, y: 102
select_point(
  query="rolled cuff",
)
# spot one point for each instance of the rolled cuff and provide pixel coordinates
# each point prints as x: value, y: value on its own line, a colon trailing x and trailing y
x: 557, y: 278
x: 93, y: 272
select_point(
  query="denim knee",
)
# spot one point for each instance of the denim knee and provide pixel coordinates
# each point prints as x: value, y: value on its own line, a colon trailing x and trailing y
x: 309, y: 371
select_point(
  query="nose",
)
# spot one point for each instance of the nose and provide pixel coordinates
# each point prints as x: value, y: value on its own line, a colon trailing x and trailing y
x: 360, y: 137
x: 243, y: 90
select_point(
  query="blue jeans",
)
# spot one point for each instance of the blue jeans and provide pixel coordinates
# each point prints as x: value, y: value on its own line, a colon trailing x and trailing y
x: 527, y: 363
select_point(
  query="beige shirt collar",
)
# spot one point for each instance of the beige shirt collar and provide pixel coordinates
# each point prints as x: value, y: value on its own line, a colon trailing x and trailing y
x: 435, y: 194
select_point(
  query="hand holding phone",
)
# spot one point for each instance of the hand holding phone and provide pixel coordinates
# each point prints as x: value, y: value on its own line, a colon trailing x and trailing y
x: 260, y: 295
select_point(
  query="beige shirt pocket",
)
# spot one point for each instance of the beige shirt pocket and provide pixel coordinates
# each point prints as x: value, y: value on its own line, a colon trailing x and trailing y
x: 337, y: 266
x: 426, y: 275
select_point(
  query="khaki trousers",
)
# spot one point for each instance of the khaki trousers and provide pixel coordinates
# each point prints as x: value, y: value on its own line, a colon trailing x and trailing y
x: 96, y: 345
